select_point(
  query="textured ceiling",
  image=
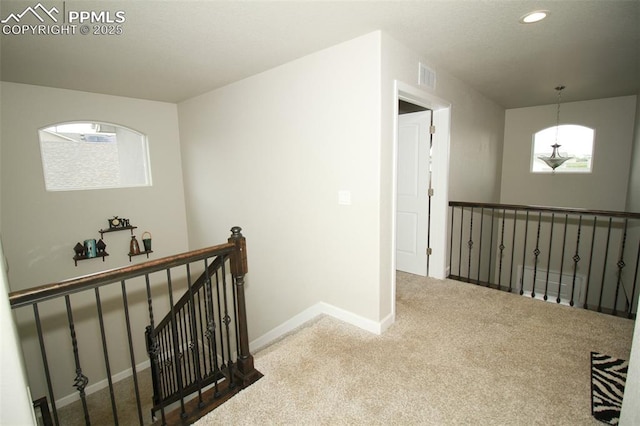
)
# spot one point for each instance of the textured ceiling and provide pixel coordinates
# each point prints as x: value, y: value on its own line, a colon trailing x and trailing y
x: 174, y: 50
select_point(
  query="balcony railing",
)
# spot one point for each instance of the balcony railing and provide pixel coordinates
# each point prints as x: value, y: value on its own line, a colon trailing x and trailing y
x: 577, y: 257
x: 96, y: 329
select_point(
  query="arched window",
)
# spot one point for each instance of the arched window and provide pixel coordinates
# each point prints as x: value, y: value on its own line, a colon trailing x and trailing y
x: 93, y: 155
x: 575, y: 142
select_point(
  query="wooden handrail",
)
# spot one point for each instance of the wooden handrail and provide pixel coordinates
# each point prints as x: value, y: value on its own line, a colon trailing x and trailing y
x: 608, y: 213
x: 74, y: 285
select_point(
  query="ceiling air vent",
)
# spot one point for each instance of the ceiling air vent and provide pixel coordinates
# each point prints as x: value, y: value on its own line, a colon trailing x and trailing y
x: 426, y: 76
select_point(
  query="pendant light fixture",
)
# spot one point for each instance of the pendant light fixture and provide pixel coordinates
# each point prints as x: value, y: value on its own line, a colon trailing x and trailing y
x: 555, y: 160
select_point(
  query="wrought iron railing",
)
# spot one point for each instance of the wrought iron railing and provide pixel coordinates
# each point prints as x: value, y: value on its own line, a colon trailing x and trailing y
x: 183, y: 354
x: 578, y: 257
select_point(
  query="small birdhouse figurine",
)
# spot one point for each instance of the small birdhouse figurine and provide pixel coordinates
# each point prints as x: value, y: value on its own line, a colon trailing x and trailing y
x: 101, y: 246
x: 79, y: 250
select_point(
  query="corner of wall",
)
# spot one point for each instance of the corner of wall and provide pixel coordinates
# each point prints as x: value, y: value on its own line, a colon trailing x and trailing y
x: 633, y: 191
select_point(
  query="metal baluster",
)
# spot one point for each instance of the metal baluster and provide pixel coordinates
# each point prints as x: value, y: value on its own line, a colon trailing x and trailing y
x: 153, y: 348
x: 106, y: 356
x: 460, y: 244
x: 43, y: 352
x: 546, y: 283
x: 180, y: 338
x: 235, y: 313
x: 211, y: 328
x: 186, y: 362
x: 194, y: 338
x: 223, y: 363
x: 513, y: 249
x: 80, y: 382
x: 201, y: 323
x: 480, y: 248
x: 576, y: 259
x: 132, y: 357
x: 604, y: 265
x: 524, y: 252
x: 167, y: 370
x: 501, y: 247
x: 536, y: 253
x: 186, y: 318
x: 593, y: 240
x: 149, y: 300
x: 564, y: 242
x: 470, y: 244
x: 227, y: 321
x: 493, y: 212
x: 453, y: 208
x: 169, y: 359
x: 620, y: 264
x: 176, y: 348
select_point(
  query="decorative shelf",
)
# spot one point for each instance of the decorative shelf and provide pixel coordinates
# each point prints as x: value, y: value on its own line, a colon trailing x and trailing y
x: 140, y: 254
x: 123, y: 228
x: 78, y: 258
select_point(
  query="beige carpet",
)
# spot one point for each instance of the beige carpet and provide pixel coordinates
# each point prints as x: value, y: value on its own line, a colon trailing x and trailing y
x: 457, y: 354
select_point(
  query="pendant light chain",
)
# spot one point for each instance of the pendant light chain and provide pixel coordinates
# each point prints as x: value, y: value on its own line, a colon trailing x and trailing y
x: 555, y: 160
x: 559, y: 89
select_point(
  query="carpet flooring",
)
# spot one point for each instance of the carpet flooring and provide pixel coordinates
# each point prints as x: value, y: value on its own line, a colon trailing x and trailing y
x: 457, y: 354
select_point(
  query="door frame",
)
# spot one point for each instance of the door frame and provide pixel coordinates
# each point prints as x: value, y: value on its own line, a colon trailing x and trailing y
x: 440, y: 176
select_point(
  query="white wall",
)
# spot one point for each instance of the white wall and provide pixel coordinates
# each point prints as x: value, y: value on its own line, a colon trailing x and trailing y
x: 15, y: 399
x: 633, y: 193
x: 40, y: 228
x: 604, y: 189
x: 270, y: 153
x: 477, y: 124
x: 630, y: 413
x: 475, y: 144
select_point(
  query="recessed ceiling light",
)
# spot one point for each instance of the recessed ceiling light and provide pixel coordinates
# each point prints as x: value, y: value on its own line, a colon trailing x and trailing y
x: 535, y: 16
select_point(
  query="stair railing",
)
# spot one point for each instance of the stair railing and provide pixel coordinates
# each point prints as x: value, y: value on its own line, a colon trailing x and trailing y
x: 157, y: 280
x: 578, y: 257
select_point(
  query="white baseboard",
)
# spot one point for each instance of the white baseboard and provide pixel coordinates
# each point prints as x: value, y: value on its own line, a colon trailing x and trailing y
x: 95, y: 387
x: 321, y: 308
x: 351, y: 318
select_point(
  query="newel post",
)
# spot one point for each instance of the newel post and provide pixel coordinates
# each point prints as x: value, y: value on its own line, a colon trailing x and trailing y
x: 239, y: 267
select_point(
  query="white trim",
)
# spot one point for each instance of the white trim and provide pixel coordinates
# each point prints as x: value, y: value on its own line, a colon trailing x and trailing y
x: 320, y: 308
x: 357, y: 320
x: 440, y: 201
x: 440, y: 160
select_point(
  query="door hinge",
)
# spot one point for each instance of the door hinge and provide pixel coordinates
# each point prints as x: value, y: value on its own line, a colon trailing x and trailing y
x: 429, y: 251
x: 432, y: 129
x: 430, y: 192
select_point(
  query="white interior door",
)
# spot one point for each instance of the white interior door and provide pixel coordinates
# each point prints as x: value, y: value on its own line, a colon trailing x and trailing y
x: 412, y: 216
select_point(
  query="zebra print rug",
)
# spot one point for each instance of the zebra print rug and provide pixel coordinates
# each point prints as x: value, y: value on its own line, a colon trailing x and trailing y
x: 608, y: 376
